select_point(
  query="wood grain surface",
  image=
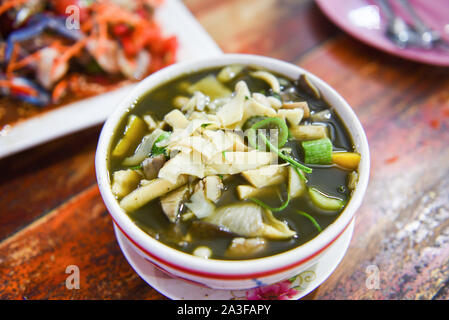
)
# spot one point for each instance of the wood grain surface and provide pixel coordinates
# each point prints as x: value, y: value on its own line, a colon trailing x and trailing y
x: 52, y: 215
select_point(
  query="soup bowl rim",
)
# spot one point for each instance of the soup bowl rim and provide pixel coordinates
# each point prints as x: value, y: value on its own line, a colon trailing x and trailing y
x: 189, y: 264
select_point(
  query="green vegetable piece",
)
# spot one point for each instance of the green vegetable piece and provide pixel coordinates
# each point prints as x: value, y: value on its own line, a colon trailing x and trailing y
x: 252, y: 121
x: 264, y: 205
x: 282, y: 139
x: 317, y: 151
x: 286, y: 158
x: 324, y: 201
x: 269, y: 124
x: 312, y: 219
x: 143, y: 150
x: 229, y: 72
x: 155, y: 150
x: 211, y: 87
x: 134, y: 131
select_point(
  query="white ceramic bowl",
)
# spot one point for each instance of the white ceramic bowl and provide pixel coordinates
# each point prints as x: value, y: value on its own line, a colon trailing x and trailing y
x: 221, y: 274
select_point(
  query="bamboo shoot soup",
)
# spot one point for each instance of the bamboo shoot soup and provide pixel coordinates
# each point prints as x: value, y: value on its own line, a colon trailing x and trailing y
x: 235, y: 162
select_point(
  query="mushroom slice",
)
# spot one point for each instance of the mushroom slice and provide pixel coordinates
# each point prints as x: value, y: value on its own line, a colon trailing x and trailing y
x: 200, y: 205
x: 298, y: 105
x: 250, y: 220
x: 243, y: 247
x: 152, y: 165
x: 269, y: 78
x: 172, y: 202
x: 305, y: 84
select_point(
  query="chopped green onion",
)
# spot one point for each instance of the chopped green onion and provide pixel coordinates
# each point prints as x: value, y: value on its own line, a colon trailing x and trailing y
x: 282, y: 138
x: 277, y: 96
x: 317, y: 151
x: 285, y: 157
x: 312, y: 219
x: 264, y: 205
x: 136, y: 167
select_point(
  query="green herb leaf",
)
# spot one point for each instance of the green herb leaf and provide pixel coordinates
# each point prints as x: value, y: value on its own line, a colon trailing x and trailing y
x: 155, y: 150
x: 289, y: 159
x: 264, y: 205
x: 277, y: 96
x: 312, y: 219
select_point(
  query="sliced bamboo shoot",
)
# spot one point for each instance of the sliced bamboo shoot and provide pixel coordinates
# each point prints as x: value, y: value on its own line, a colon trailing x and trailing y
x: 176, y: 119
x: 211, y: 87
x: 154, y: 189
x: 308, y: 132
x: 293, y: 116
x: 124, y: 182
x: 213, y: 188
x: 300, y: 104
x: 296, y: 185
x: 134, y: 131
x: 266, y: 176
x: 245, y: 191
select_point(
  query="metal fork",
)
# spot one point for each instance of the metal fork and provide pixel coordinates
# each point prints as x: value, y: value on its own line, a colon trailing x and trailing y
x: 398, y: 30
x: 429, y: 37
x: 405, y: 35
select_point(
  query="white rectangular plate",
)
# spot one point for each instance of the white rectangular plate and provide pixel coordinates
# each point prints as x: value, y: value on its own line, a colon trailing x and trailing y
x: 175, y: 19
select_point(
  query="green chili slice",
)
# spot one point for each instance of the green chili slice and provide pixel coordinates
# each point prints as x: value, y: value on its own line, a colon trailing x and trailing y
x: 268, y: 124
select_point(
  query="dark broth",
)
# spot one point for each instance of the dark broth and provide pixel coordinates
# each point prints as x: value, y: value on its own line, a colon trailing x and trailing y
x: 329, y: 179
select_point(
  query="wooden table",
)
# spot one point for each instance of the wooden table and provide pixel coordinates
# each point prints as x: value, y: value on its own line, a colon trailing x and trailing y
x: 52, y: 215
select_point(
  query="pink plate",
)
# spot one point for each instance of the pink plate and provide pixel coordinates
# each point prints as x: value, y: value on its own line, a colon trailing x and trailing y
x: 363, y: 20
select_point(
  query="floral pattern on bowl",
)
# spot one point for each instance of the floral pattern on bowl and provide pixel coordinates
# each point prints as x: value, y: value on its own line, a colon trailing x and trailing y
x: 291, y: 289
x: 284, y: 290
